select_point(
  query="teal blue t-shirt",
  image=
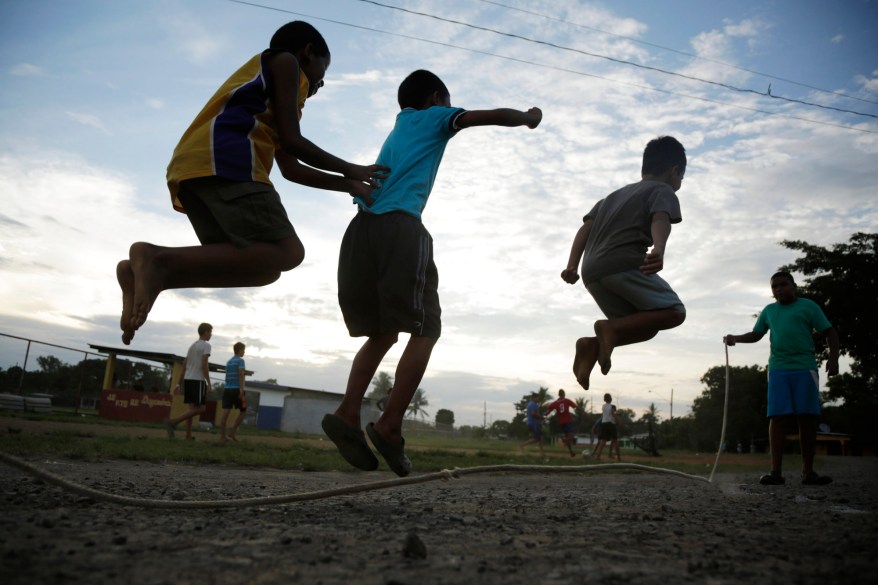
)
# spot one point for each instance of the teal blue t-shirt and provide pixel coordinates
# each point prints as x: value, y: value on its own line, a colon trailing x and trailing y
x: 413, y: 151
x: 233, y: 366
x: 792, y: 327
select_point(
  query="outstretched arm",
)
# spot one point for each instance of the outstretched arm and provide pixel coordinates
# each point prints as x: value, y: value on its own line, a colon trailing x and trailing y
x: 749, y: 337
x: 284, y: 71
x: 500, y: 117
x: 570, y: 274
x: 661, y: 231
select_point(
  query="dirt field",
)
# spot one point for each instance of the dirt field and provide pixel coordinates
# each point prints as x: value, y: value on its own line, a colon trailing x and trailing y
x: 593, y: 527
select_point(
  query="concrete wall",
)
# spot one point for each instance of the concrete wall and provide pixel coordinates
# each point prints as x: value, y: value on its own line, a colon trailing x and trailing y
x: 303, y: 412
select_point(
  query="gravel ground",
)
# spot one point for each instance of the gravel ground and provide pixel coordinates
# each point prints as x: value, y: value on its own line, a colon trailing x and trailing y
x: 504, y: 528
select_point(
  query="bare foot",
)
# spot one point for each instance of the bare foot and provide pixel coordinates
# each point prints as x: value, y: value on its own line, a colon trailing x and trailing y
x: 148, y: 282
x: 586, y: 356
x: 605, y: 345
x: 125, y: 276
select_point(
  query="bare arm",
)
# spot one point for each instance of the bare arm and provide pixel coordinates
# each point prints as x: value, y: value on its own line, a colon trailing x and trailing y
x: 205, y: 369
x: 661, y: 231
x: 750, y: 337
x: 500, y: 117
x: 293, y: 170
x: 570, y: 274
x: 241, y: 375
x: 284, y: 70
x: 832, y: 362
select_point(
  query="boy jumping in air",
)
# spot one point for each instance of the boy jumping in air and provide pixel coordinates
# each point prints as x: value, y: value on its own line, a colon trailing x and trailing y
x: 218, y: 177
x: 618, y: 267
x: 387, y: 280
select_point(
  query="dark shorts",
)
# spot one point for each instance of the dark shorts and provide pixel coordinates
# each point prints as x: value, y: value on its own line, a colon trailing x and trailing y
x: 233, y: 398
x: 608, y: 432
x: 195, y: 392
x: 223, y: 211
x: 625, y: 293
x: 536, y: 430
x: 567, y: 427
x: 387, y: 280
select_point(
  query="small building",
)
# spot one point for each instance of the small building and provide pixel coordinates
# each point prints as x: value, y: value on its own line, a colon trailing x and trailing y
x: 272, y: 407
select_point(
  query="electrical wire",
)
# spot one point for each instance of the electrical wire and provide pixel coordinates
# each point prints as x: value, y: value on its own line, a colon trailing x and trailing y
x: 556, y: 68
x: 619, y: 61
x: 679, y: 52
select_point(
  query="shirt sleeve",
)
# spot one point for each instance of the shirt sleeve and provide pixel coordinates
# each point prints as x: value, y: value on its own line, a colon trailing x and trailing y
x: 594, y: 212
x: 761, y: 326
x: 664, y: 199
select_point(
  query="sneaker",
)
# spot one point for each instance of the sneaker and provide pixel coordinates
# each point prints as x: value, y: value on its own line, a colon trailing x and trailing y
x: 772, y: 479
x: 814, y: 479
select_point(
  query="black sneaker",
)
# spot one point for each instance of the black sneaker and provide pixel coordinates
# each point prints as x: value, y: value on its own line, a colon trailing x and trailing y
x: 772, y: 479
x: 814, y: 479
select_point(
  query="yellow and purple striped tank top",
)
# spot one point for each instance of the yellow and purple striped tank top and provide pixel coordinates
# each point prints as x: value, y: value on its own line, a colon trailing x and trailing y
x: 234, y: 135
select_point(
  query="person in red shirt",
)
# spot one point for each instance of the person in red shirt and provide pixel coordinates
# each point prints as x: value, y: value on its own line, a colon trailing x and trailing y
x: 565, y: 409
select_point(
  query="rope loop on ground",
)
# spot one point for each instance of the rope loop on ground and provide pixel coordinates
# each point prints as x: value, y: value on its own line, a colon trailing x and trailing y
x: 445, y: 474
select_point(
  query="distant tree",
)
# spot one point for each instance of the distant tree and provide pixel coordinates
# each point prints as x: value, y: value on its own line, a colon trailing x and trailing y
x: 419, y: 401
x: 582, y: 422
x: 748, y: 402
x: 381, y: 385
x: 500, y: 428
x: 444, y: 417
x: 843, y: 279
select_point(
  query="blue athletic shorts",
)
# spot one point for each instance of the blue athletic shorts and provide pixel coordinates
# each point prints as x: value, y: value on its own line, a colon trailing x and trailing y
x: 793, y: 392
x: 625, y: 293
x: 537, y: 430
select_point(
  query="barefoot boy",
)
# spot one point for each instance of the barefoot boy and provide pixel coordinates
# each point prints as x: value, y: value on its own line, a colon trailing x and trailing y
x: 387, y: 280
x: 196, y: 381
x: 233, y: 393
x: 218, y: 177
x: 618, y: 268
x: 792, y: 372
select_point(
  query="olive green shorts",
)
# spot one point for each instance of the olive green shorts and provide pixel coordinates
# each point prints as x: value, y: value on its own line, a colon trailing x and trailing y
x: 224, y: 211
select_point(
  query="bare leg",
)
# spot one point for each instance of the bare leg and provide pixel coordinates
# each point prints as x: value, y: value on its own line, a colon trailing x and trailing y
x: 409, y: 373
x: 157, y: 268
x: 363, y: 370
x: 223, y: 421
x: 776, y: 437
x: 584, y: 361
x: 634, y: 328
x: 235, y: 426
x: 807, y: 442
x: 125, y: 277
x: 597, y: 452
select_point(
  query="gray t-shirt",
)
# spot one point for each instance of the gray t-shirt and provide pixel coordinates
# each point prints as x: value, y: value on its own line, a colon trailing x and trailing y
x: 622, y: 229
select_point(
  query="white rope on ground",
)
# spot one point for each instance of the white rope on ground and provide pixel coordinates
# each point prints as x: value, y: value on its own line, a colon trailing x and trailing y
x: 445, y: 474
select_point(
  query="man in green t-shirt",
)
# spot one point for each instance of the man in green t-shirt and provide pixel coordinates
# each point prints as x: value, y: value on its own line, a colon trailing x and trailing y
x: 793, y: 389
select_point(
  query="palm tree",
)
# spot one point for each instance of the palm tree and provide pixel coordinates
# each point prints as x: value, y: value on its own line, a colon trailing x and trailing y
x: 419, y: 401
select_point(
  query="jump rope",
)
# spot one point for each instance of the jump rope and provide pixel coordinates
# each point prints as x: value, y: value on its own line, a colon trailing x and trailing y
x: 445, y: 474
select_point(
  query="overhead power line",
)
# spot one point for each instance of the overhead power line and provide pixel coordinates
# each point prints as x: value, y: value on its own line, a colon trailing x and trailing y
x: 555, y: 68
x: 679, y: 52
x: 615, y: 60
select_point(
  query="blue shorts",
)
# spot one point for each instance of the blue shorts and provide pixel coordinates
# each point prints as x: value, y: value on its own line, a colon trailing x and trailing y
x: 793, y: 392
x: 537, y: 430
x: 625, y: 293
x: 567, y: 427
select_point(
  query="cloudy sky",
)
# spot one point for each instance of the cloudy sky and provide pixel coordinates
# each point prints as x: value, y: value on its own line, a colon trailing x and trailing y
x: 95, y: 95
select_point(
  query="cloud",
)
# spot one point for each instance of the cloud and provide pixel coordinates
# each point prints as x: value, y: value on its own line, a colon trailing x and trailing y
x: 89, y: 120
x: 26, y: 70
x: 837, y: 39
